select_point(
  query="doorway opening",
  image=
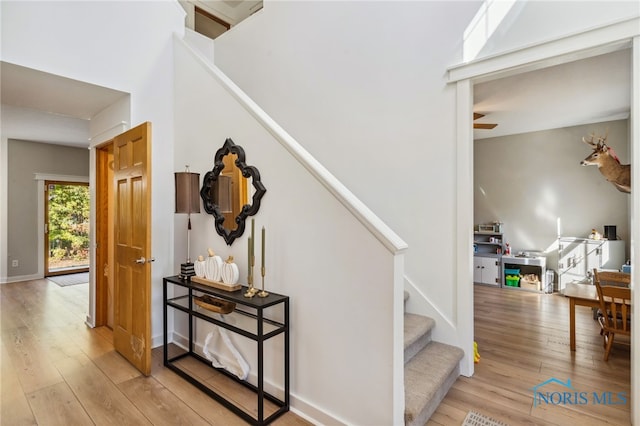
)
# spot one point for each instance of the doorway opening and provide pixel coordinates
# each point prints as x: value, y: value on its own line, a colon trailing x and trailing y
x: 481, y: 71
x: 66, y: 227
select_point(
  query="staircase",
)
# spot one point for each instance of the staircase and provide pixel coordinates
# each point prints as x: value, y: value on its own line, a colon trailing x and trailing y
x: 430, y: 369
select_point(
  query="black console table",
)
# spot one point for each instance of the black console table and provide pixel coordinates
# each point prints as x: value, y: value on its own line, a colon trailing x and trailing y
x: 260, y: 313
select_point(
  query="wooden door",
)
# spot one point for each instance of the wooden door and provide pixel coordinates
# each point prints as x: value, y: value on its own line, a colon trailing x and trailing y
x: 132, y: 246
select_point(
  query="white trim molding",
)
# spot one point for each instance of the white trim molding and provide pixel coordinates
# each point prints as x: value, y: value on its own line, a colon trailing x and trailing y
x: 61, y: 178
x: 635, y: 228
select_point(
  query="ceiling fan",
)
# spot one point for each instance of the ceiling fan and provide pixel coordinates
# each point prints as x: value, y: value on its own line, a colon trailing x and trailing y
x: 487, y: 126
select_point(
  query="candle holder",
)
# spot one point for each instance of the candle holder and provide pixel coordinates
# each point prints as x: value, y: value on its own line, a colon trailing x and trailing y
x: 263, y: 293
x: 251, y: 291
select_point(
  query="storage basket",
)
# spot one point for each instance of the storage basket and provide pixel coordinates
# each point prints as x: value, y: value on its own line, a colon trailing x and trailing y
x: 512, y: 280
x: 512, y: 271
x: 529, y: 284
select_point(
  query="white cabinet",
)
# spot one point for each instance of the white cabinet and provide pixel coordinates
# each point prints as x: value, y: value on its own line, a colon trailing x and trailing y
x: 486, y: 270
x: 577, y: 257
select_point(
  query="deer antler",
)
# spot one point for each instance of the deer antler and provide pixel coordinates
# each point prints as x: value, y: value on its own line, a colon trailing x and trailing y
x: 599, y: 144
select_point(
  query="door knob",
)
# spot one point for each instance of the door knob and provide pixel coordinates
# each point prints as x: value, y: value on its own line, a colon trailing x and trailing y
x: 142, y: 260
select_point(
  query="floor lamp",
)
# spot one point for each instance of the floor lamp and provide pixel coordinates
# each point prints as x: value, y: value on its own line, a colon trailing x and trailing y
x: 187, y: 201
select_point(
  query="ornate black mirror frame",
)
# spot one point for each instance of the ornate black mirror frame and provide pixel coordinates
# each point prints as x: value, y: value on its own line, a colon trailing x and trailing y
x: 210, y: 179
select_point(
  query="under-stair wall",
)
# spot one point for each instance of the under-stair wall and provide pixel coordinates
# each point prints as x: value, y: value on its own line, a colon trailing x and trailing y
x: 343, y: 277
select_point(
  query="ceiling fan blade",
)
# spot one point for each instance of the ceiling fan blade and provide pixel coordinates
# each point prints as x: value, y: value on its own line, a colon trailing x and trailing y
x: 487, y: 126
x: 477, y: 115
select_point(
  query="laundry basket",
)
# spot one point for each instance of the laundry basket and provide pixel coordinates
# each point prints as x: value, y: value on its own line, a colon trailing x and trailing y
x: 548, y: 281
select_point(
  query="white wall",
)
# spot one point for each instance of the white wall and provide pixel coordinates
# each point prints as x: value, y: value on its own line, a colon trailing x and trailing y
x: 530, y: 180
x: 92, y: 42
x: 369, y: 99
x: 339, y: 276
x: 15, y: 122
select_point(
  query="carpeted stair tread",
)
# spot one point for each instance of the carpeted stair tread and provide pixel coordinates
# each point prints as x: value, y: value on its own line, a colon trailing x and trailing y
x: 427, y: 379
x: 417, y: 334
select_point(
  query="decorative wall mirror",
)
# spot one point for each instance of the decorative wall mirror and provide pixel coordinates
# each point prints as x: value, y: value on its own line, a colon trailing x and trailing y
x: 226, y: 190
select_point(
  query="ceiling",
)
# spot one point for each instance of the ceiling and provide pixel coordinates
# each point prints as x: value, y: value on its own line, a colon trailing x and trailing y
x: 43, y: 107
x: 587, y: 91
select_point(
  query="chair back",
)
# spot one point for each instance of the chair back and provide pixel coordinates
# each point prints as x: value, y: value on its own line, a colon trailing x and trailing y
x: 618, y: 279
x: 615, y: 303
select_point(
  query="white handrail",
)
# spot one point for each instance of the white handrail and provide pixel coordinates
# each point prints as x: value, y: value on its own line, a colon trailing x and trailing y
x: 373, y: 223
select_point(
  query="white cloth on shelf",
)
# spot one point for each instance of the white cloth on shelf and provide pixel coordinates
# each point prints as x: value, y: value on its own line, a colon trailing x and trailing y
x: 241, y: 370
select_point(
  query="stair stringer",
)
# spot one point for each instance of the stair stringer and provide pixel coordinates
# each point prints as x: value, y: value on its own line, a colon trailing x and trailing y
x: 445, y: 330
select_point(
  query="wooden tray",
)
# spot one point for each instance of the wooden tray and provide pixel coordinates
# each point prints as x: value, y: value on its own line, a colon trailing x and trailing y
x: 217, y: 284
x: 214, y: 304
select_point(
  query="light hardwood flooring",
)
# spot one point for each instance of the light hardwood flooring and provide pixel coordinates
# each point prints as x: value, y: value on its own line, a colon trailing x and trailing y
x: 523, y: 340
x: 57, y: 371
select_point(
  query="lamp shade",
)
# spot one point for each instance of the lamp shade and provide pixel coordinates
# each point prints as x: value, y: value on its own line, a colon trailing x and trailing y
x: 187, y: 192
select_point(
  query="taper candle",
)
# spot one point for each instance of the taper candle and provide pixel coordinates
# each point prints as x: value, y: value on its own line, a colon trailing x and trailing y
x: 263, y: 246
x: 249, y: 257
x: 253, y: 240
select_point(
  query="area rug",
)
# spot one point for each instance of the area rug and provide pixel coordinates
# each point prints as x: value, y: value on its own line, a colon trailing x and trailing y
x: 70, y: 279
x: 476, y: 419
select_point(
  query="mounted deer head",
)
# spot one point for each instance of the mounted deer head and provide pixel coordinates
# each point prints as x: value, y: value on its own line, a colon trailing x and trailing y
x: 608, y: 163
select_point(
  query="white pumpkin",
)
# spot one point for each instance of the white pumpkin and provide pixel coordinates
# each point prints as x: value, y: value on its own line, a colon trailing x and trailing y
x: 230, y: 272
x: 199, y: 267
x: 213, y: 268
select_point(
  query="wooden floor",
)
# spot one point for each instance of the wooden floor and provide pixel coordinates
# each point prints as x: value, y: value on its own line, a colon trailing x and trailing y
x: 523, y: 340
x: 57, y: 371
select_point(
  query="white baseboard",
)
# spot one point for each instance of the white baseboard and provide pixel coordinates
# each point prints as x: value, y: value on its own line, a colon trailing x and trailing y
x: 18, y: 278
x: 157, y: 341
x: 312, y: 413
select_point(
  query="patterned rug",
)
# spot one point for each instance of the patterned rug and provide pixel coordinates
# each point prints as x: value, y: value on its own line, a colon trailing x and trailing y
x: 476, y: 419
x: 70, y: 279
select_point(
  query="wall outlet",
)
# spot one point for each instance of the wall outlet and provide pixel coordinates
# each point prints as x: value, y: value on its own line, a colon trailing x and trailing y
x: 15, y: 263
